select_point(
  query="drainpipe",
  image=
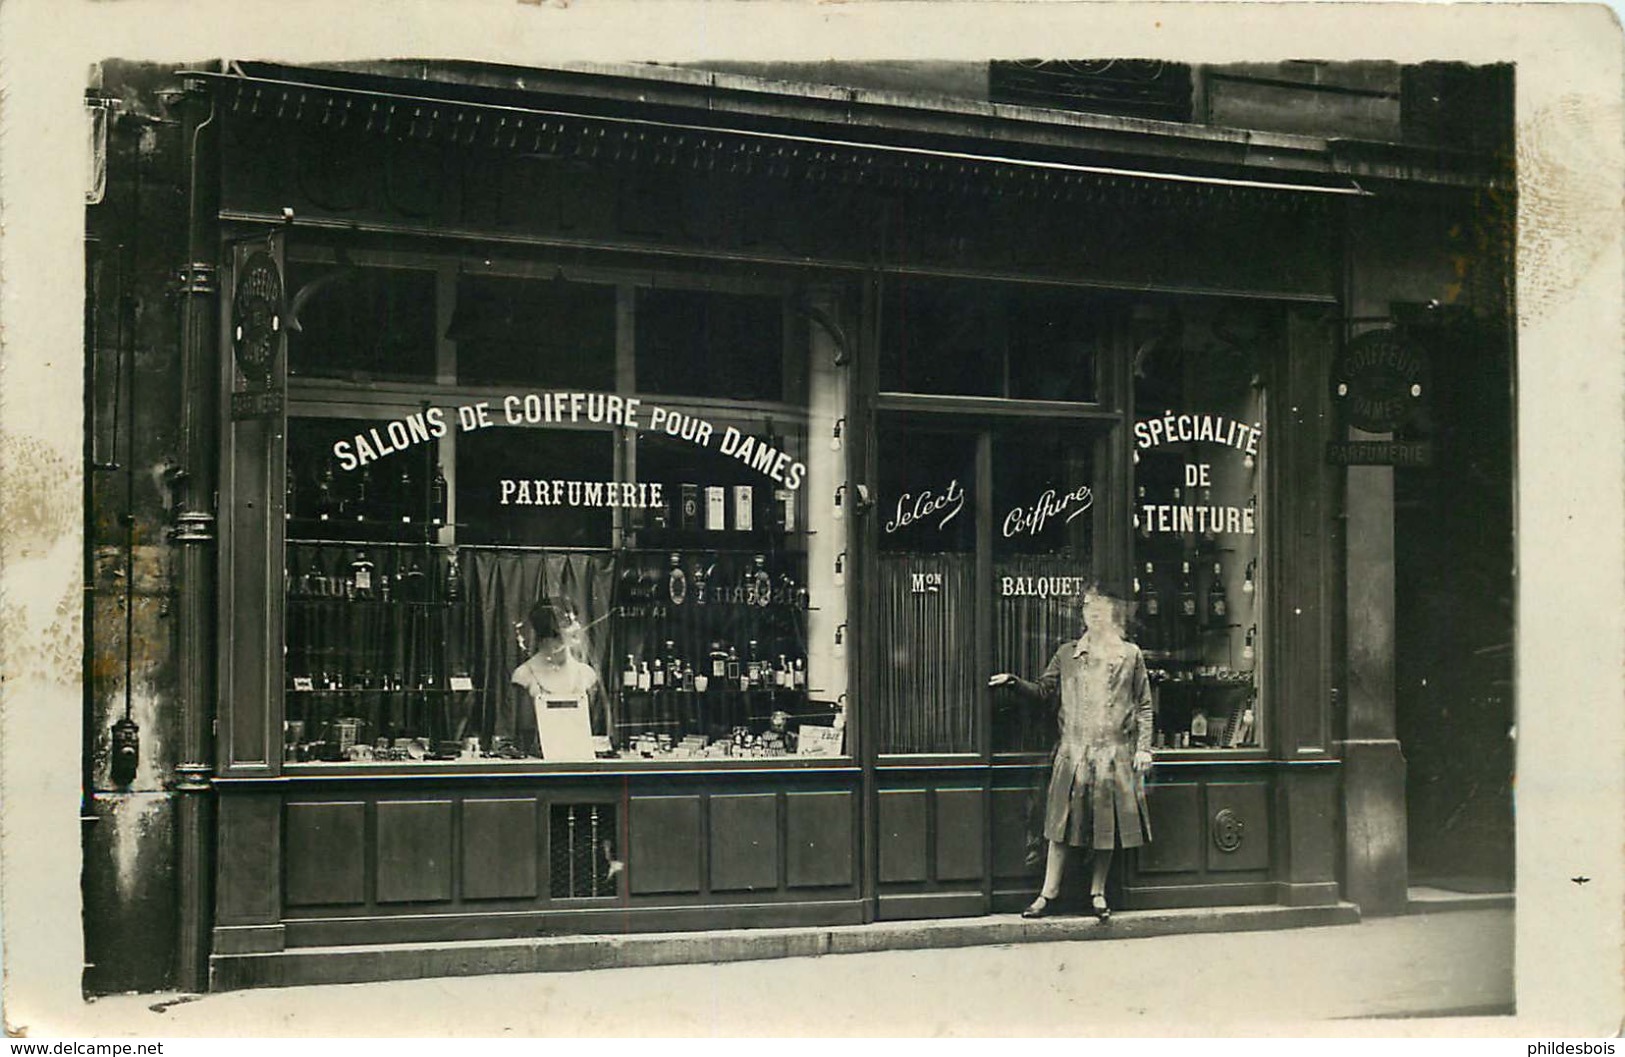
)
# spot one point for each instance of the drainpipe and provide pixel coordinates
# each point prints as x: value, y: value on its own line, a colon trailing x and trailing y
x: 193, y: 534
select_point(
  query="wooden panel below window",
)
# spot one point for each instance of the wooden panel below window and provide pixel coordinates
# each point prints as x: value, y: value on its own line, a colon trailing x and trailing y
x: 326, y: 853
x: 1176, y: 829
x: 959, y: 834
x: 902, y: 834
x: 665, y: 838
x: 414, y: 851
x: 1239, y: 826
x: 499, y: 849
x: 745, y: 842
x: 250, y: 840
x: 818, y: 828
x: 1008, y: 808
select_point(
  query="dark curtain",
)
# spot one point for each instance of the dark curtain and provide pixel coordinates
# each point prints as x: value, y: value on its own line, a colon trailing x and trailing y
x: 928, y: 681
x: 502, y: 586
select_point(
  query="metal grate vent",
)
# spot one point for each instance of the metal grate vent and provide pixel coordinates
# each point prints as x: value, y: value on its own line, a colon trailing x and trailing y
x: 582, y: 860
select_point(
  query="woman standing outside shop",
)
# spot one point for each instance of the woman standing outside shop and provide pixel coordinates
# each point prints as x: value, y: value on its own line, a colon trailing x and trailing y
x: 1096, y: 797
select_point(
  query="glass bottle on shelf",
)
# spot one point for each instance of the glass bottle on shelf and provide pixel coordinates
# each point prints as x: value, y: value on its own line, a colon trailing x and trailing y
x: 657, y: 675
x: 645, y: 677
x: 629, y: 675
x: 437, y: 495
x: 762, y: 581
x: 719, y: 661
x: 732, y: 666
x: 327, y: 503
x: 454, y: 578
x: 1150, y: 605
x: 700, y: 574
x: 1187, y: 593
x: 403, y: 498
x: 676, y: 583
x: 1209, y: 533
x: 359, y: 503
x: 800, y: 678
x: 1218, y: 603
x: 1142, y: 514
x: 1199, y: 727
x: 1249, y: 648
x: 361, y: 574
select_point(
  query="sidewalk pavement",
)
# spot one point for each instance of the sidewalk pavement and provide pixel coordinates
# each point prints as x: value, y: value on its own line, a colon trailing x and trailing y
x: 1422, y: 964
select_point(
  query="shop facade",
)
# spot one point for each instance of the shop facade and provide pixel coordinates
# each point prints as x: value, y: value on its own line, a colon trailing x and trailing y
x: 803, y: 416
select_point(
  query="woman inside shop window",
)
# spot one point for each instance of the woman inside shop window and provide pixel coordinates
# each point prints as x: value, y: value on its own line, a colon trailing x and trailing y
x: 568, y: 706
x: 1096, y: 797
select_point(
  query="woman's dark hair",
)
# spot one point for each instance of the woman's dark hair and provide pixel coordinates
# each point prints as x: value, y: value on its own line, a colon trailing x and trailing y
x: 544, y: 620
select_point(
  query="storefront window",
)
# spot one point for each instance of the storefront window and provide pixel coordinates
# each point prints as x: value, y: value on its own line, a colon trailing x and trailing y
x: 1199, y: 446
x: 360, y: 323
x: 614, y: 559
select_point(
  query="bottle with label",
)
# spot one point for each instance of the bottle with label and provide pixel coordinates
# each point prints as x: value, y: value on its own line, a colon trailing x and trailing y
x: 1218, y: 603
x: 744, y: 508
x: 454, y: 578
x: 688, y: 510
x: 361, y: 573
x: 799, y: 679
x: 629, y: 675
x: 676, y: 581
x: 719, y: 661
x: 403, y: 493
x: 1199, y: 727
x: 762, y: 583
x: 657, y: 675
x: 327, y: 502
x: 645, y: 677
x: 1187, y: 593
x: 731, y: 668
x: 1142, y: 516
x: 1209, y: 530
x: 781, y: 673
x: 437, y: 496
x: 359, y: 504
x: 1150, y: 607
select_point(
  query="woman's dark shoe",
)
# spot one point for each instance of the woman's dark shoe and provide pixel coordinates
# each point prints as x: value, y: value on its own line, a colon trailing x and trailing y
x: 1037, y: 908
x: 1098, y: 907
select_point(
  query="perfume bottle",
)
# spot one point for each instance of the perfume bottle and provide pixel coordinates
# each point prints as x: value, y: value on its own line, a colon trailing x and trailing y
x: 1187, y: 593
x: 1218, y: 604
x: 700, y: 575
x: 719, y: 661
x: 361, y: 570
x: 676, y: 583
x: 762, y: 586
x: 437, y: 496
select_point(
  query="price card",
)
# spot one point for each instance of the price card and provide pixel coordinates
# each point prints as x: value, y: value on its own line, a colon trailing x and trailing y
x: 462, y: 682
x: 303, y: 682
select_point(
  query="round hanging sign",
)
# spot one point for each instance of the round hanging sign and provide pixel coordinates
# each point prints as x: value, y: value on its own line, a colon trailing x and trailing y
x: 256, y: 316
x: 1379, y: 380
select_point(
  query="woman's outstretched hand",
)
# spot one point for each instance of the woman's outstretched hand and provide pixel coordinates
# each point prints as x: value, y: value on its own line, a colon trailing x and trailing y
x: 1002, y: 679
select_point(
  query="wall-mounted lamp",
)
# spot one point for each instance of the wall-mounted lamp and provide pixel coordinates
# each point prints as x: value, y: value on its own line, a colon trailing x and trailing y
x: 840, y: 569
x: 1248, y: 584
x: 835, y: 434
x: 843, y: 347
x: 840, y: 640
x: 840, y: 503
x: 1248, y: 649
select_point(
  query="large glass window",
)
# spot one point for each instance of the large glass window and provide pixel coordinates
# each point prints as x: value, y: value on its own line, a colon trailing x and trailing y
x: 595, y: 543
x: 1198, y: 447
